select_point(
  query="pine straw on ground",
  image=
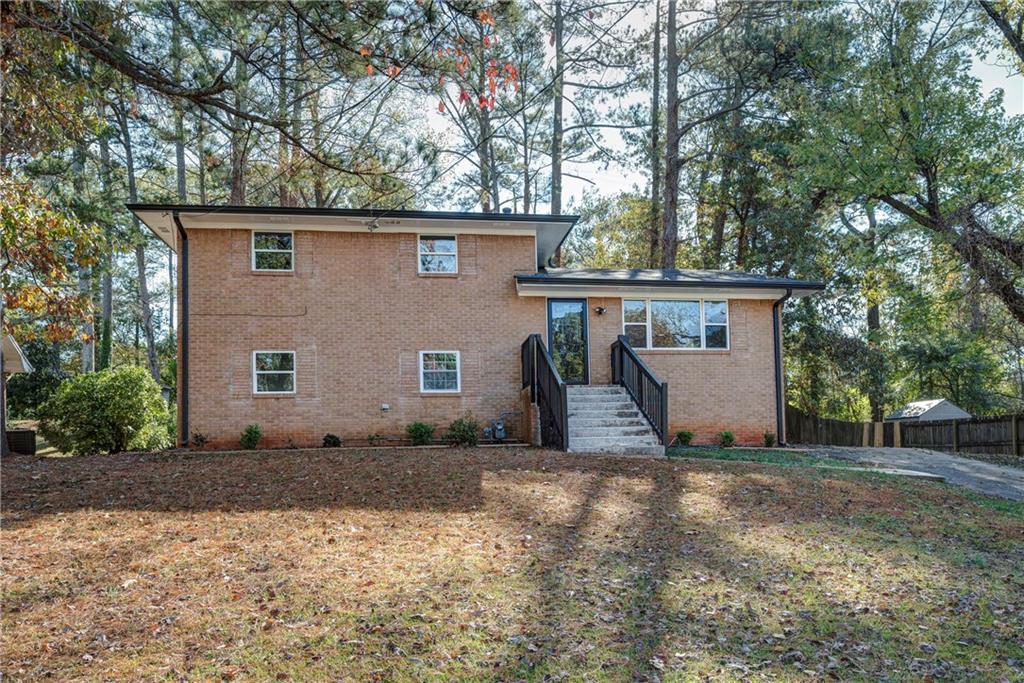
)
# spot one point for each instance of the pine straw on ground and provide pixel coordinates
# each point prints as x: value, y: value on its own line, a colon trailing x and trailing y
x: 493, y: 564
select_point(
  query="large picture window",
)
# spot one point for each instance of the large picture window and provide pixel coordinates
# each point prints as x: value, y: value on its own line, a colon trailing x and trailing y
x: 273, y: 251
x: 273, y: 372
x: 439, y: 372
x: 676, y: 324
x: 438, y: 254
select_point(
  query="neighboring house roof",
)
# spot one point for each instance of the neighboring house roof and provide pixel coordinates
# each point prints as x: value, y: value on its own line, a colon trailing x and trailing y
x: 923, y: 411
x: 14, y: 359
x: 594, y: 281
x: 549, y: 230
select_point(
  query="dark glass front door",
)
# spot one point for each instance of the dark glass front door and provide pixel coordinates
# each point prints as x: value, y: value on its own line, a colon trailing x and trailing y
x: 567, y: 338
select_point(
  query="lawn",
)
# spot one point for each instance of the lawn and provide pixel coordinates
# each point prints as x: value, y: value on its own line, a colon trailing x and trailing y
x: 495, y: 564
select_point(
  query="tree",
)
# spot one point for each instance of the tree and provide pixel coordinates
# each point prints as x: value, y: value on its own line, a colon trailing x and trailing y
x: 42, y: 249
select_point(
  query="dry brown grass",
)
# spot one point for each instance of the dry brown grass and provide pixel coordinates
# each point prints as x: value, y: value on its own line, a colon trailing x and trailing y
x: 496, y: 564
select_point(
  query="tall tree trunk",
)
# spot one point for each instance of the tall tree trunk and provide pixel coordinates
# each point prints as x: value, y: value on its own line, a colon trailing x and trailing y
x: 140, y: 251
x: 201, y: 156
x: 4, y: 450
x: 526, y: 158
x: 295, y: 154
x: 557, y: 124
x: 107, y: 284
x: 239, y: 137
x: 670, y: 230
x: 179, y: 152
x: 88, y: 351
x: 713, y: 256
x: 319, y: 191
x: 655, y: 227
x: 283, y: 171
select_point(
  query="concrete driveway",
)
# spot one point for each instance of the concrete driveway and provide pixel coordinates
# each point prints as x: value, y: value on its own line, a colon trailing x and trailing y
x: 995, y: 480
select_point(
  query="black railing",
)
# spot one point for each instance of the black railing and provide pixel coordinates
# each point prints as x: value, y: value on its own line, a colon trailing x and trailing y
x: 650, y: 395
x: 548, y: 391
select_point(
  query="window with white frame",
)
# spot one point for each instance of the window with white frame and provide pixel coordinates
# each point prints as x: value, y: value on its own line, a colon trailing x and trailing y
x: 438, y: 254
x: 676, y: 324
x: 273, y: 251
x: 439, y: 372
x: 273, y: 372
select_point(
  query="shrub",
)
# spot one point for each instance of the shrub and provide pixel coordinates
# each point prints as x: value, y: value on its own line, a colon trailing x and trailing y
x: 198, y: 439
x: 251, y: 436
x: 421, y: 433
x: 726, y: 439
x: 769, y: 439
x: 106, y: 412
x: 26, y: 393
x: 374, y: 438
x: 332, y: 441
x: 464, y: 431
x: 684, y: 437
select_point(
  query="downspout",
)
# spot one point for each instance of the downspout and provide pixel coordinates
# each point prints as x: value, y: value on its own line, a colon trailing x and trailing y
x: 183, y: 331
x: 780, y: 415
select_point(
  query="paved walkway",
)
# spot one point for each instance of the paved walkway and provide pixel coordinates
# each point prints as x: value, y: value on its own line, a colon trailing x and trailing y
x: 995, y: 480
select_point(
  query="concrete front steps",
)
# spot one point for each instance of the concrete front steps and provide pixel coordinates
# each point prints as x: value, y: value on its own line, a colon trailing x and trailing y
x: 604, y: 419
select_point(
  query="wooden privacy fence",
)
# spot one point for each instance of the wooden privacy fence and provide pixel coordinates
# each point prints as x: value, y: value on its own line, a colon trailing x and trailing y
x: 1002, y: 435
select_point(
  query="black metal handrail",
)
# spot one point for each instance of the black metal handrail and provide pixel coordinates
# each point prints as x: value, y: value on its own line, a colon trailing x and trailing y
x: 548, y: 391
x: 649, y: 394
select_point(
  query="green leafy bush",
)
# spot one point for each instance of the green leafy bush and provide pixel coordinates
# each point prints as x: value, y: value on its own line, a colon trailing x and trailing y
x: 684, y: 437
x: 251, y: 436
x: 421, y: 433
x: 769, y: 439
x: 465, y: 431
x: 106, y: 412
x: 374, y: 439
x: 332, y: 441
x: 726, y: 439
x: 27, y: 392
x: 198, y: 439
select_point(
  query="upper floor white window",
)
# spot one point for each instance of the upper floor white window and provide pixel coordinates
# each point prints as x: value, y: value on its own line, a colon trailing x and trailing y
x: 273, y: 251
x: 438, y: 254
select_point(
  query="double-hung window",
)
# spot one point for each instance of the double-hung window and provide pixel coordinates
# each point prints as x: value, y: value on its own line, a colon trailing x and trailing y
x: 273, y: 251
x: 676, y: 324
x: 273, y: 372
x: 439, y: 372
x: 438, y: 254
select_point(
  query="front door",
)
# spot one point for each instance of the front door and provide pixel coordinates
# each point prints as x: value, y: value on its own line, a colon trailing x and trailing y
x: 567, y: 339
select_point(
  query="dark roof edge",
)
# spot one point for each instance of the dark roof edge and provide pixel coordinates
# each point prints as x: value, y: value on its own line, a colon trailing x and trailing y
x: 353, y: 213
x: 757, y: 284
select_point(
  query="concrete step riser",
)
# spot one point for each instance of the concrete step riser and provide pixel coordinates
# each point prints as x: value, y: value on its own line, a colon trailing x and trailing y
x: 621, y: 450
x: 600, y: 441
x: 603, y: 414
x: 601, y: 405
x: 595, y: 391
x: 626, y: 422
x: 588, y: 432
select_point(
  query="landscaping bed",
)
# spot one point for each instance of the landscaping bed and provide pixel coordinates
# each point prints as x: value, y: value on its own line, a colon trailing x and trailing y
x: 499, y: 564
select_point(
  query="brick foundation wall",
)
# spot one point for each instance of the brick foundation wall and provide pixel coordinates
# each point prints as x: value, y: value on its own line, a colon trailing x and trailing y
x: 356, y: 312
x: 709, y: 391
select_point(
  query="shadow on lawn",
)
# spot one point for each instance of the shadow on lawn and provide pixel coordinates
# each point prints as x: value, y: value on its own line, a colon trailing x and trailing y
x: 630, y: 578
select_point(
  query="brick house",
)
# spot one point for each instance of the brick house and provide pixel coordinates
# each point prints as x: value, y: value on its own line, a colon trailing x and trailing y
x: 315, y: 321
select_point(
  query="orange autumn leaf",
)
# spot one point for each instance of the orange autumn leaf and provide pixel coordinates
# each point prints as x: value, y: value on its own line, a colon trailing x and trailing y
x: 369, y: 69
x: 366, y: 50
x: 440, y: 106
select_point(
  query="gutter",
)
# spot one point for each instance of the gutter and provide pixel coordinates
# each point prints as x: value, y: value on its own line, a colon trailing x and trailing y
x: 780, y: 406
x: 788, y: 285
x: 183, y: 332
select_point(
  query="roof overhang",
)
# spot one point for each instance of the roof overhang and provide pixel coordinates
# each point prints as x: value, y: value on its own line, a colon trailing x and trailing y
x: 14, y: 359
x: 549, y: 231
x: 527, y: 285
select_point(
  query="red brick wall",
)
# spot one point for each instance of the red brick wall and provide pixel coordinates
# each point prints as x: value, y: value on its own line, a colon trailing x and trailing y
x: 356, y: 313
x: 709, y: 391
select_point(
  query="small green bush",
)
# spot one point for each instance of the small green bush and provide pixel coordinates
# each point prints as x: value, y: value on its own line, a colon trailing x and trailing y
x: 374, y: 438
x: 251, y: 436
x: 106, y: 412
x: 726, y: 439
x: 769, y: 439
x: 332, y: 441
x: 684, y: 437
x: 465, y: 431
x: 198, y: 439
x: 421, y: 433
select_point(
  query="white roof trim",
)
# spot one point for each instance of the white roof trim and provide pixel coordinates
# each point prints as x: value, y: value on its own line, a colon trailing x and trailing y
x: 625, y: 291
x: 14, y: 359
